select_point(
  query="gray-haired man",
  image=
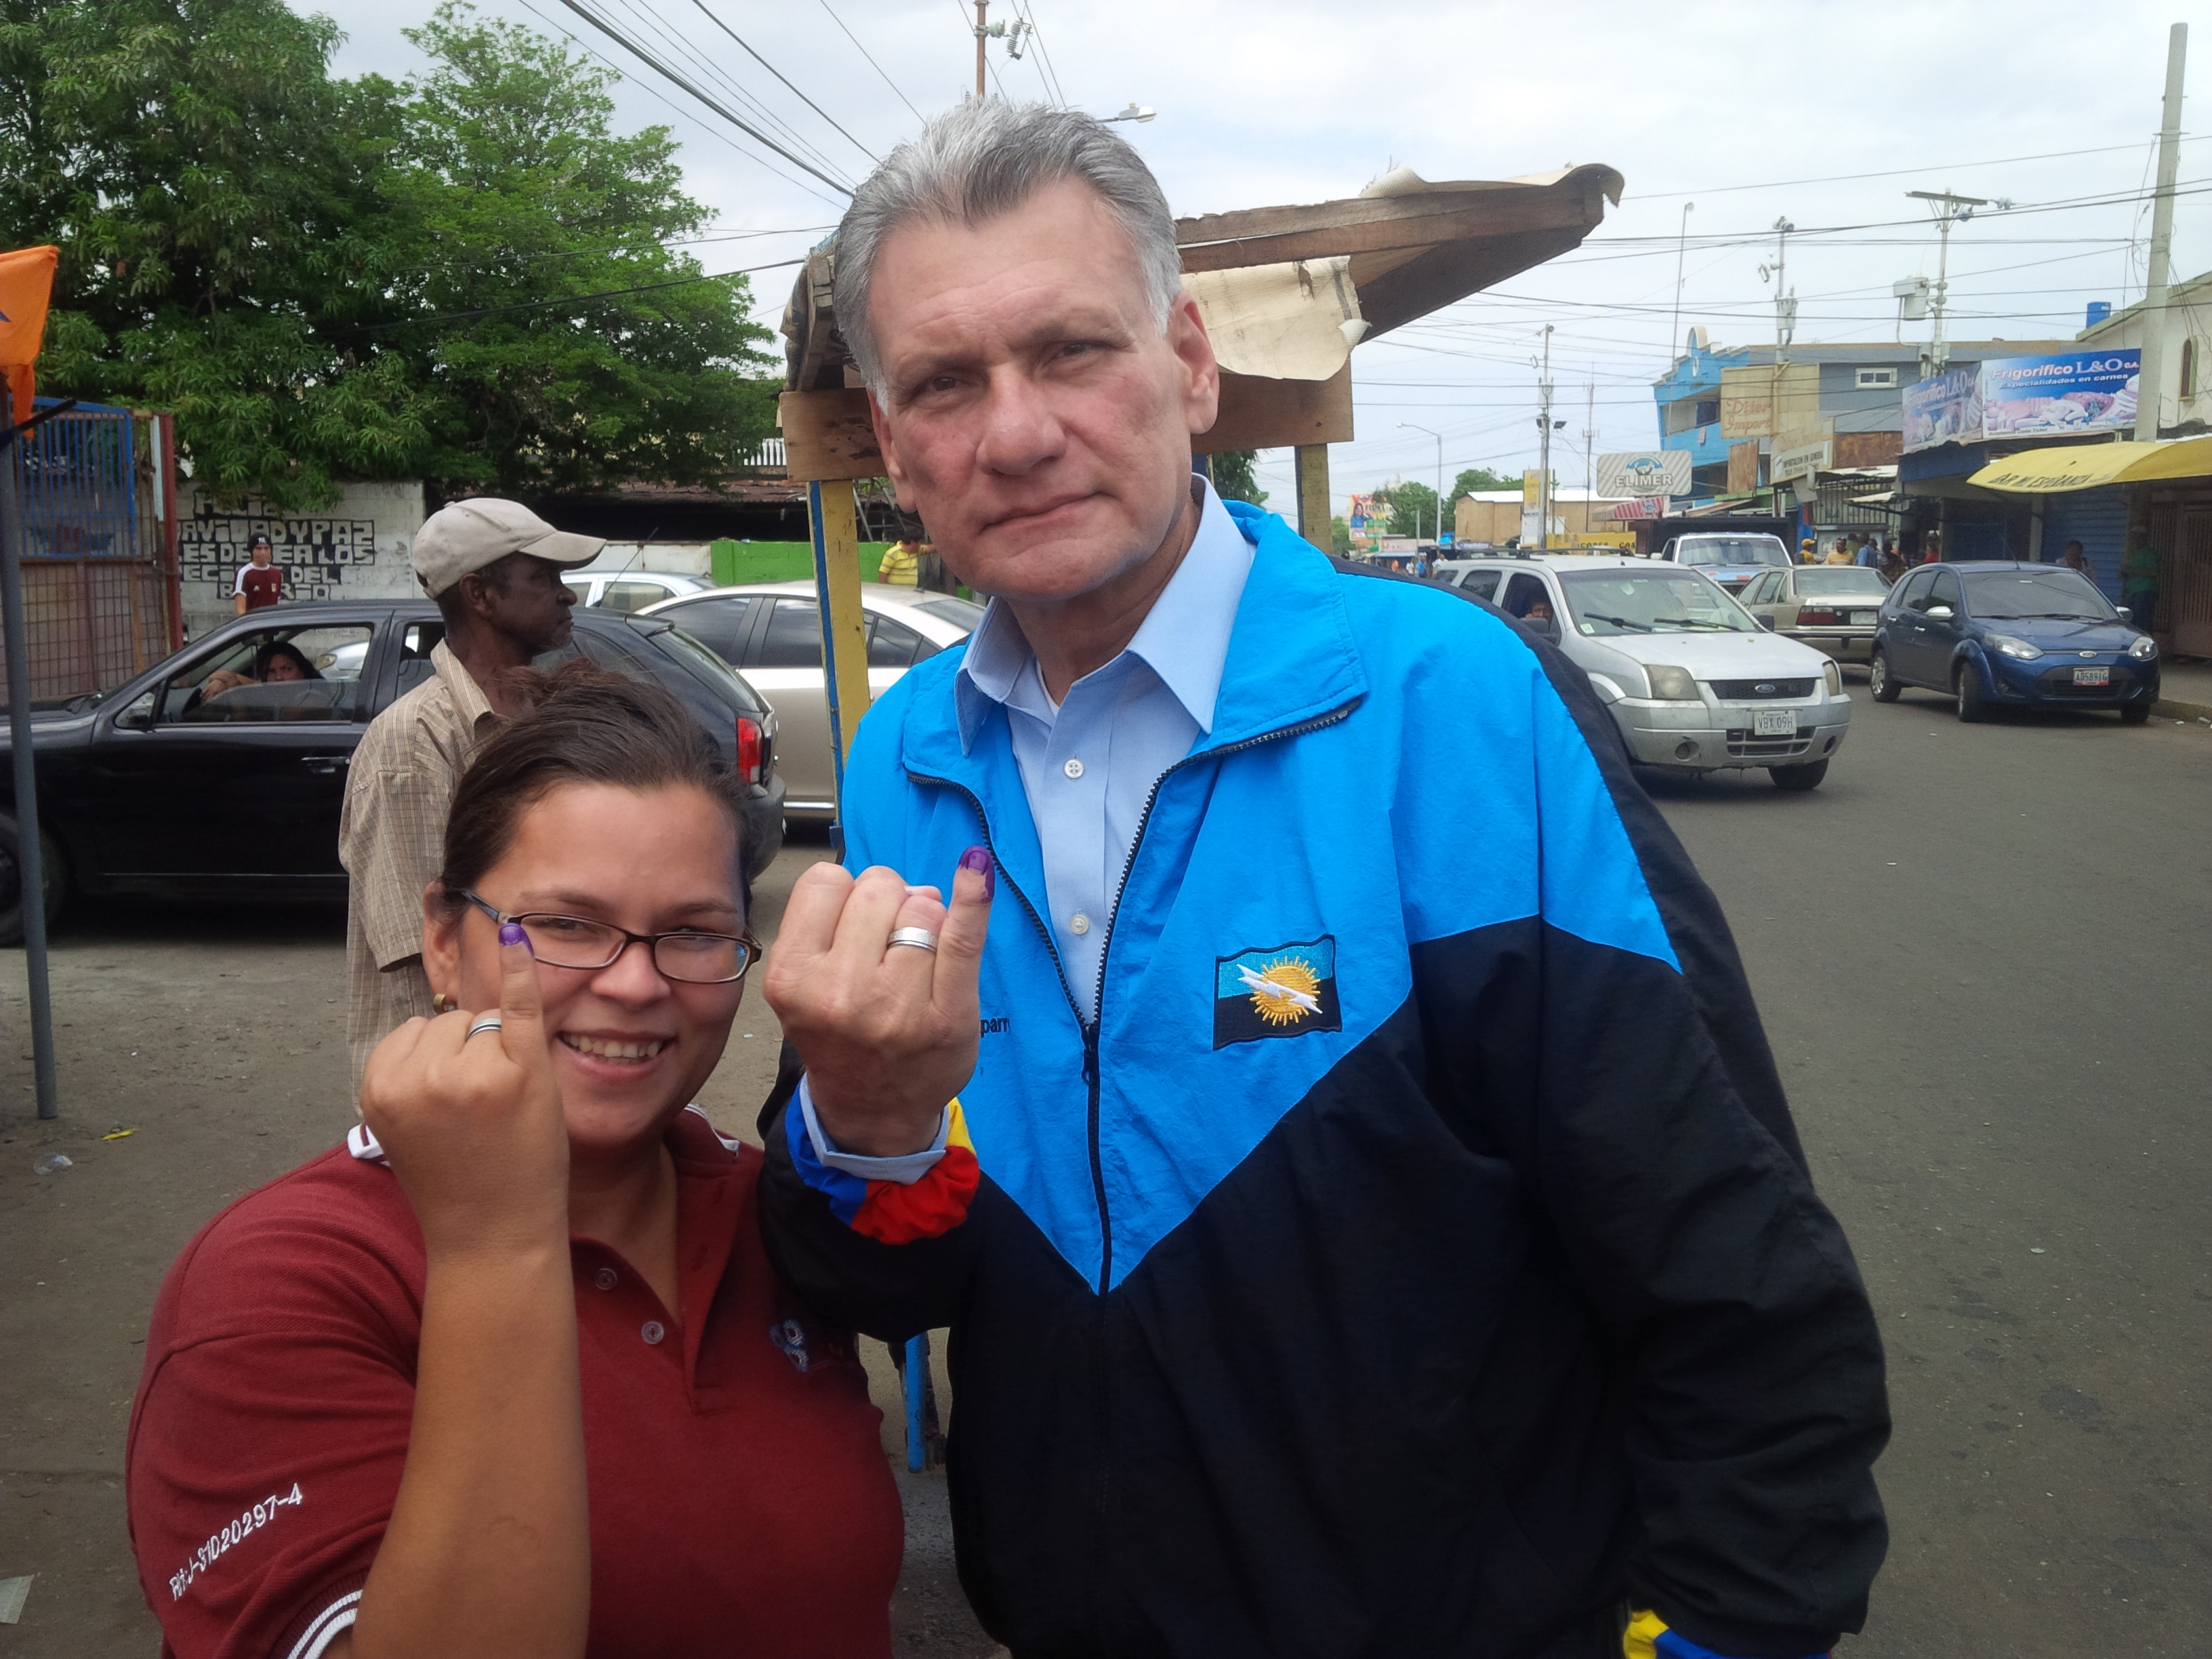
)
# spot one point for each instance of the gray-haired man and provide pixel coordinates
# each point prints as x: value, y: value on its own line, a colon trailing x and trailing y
x: 1351, y: 1246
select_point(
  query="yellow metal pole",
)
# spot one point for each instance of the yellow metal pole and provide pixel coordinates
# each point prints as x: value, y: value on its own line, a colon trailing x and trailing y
x: 844, y: 626
x: 1313, y: 495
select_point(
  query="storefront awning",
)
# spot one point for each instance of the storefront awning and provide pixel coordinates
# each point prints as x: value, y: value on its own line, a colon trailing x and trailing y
x: 2085, y: 466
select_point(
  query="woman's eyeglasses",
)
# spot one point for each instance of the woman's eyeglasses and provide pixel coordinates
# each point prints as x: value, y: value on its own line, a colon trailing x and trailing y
x: 573, y: 942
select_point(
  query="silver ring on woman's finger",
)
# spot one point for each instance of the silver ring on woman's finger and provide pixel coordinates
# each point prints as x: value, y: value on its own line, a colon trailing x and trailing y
x: 921, y: 938
x: 489, y: 1022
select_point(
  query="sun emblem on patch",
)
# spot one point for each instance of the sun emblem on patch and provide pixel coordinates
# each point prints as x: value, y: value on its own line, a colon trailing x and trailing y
x: 1283, y: 991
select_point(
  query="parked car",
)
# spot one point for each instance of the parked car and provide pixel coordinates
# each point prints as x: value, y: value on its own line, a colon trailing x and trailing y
x: 1731, y: 558
x: 630, y: 589
x: 1695, y: 682
x: 1830, y: 607
x: 771, y: 632
x: 163, y: 789
x: 1997, y: 632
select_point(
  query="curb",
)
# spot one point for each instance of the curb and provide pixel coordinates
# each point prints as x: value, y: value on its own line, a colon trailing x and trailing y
x: 2167, y: 708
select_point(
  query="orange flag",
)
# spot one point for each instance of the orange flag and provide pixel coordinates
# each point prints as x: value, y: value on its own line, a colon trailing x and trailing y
x: 27, y: 283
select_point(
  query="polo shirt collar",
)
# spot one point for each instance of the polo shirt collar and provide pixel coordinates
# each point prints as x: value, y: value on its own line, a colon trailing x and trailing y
x: 1183, y: 638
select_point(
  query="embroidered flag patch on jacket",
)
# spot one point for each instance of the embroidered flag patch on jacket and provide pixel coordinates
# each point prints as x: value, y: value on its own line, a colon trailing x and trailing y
x: 1286, y: 991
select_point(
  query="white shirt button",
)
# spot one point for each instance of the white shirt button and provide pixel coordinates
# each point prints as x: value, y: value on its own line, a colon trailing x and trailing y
x: 606, y: 1279
x: 1073, y: 767
x: 653, y: 1331
x: 1078, y: 923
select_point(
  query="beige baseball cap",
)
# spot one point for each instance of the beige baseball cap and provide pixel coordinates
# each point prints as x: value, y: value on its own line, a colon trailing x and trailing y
x: 468, y: 535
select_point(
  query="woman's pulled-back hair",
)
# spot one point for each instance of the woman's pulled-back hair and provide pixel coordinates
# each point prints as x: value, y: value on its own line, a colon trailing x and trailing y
x: 584, y: 725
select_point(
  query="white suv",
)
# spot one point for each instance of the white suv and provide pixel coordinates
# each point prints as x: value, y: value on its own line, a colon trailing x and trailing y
x: 1695, y: 682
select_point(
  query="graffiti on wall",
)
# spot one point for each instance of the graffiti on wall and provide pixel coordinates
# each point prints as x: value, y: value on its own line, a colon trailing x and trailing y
x: 317, y: 554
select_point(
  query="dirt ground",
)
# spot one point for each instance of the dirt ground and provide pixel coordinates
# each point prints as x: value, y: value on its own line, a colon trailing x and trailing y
x: 215, y: 1035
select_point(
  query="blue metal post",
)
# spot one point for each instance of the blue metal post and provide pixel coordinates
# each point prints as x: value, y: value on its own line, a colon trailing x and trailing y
x: 917, y: 1400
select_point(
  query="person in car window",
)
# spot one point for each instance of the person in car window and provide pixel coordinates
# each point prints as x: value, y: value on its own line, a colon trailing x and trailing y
x: 494, y: 568
x: 508, y: 1374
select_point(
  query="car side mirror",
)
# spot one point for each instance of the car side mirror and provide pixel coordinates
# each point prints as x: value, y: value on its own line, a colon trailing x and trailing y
x: 1939, y: 613
x: 1767, y: 623
x: 2127, y: 613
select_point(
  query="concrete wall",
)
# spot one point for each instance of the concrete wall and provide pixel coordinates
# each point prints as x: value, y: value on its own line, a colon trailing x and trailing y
x: 357, y: 549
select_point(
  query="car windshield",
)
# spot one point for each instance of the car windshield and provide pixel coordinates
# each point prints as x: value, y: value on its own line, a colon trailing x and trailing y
x: 961, y: 613
x: 1614, y: 602
x: 2060, y: 595
x: 1730, y: 551
x: 1834, y: 584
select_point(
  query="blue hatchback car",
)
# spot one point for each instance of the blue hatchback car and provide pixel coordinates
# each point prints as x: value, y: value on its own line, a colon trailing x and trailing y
x: 2018, y: 635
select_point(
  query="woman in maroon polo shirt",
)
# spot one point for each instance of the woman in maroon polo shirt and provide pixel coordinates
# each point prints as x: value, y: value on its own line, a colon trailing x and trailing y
x: 509, y: 1373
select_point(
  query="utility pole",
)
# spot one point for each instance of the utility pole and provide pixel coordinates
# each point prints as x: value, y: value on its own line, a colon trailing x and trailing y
x: 981, y: 6
x: 2152, y: 374
x: 1681, y: 248
x: 1439, y: 437
x: 1950, y: 209
x: 1589, y: 432
x: 1544, y: 448
x: 1786, y: 302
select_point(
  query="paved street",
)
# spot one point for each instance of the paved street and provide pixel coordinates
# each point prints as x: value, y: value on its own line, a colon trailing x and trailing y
x: 1980, y: 952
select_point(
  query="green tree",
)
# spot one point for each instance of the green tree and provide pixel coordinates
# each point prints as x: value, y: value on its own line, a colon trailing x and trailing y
x: 1477, y: 479
x: 330, y: 279
x: 1413, y: 509
x: 523, y: 204
x: 1233, y: 479
x: 1339, y: 537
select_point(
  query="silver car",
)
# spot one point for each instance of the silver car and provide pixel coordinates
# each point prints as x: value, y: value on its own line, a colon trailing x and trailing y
x: 771, y: 633
x: 631, y: 590
x: 1830, y: 607
x: 1695, y: 684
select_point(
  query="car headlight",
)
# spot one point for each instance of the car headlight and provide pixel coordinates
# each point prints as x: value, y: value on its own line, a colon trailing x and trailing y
x: 1835, y: 676
x: 2012, y: 648
x: 2143, y: 648
x: 1672, y: 684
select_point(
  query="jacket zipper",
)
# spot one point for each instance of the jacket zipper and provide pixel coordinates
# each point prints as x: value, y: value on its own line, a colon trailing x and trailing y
x: 1090, y: 1027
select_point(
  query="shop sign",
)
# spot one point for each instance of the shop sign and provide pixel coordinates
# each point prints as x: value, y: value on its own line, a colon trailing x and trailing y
x: 1644, y: 472
x: 1803, y: 461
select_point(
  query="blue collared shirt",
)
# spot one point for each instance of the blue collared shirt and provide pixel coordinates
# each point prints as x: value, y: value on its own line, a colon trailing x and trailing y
x: 1089, y: 763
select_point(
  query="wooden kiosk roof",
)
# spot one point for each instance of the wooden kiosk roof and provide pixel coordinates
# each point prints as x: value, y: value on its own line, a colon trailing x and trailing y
x: 1413, y: 247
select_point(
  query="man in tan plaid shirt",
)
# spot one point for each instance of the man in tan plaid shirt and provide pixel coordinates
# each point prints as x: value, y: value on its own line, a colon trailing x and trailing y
x: 494, y: 568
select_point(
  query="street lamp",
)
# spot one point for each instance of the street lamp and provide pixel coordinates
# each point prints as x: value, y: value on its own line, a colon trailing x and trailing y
x: 1439, y: 437
x: 1135, y: 112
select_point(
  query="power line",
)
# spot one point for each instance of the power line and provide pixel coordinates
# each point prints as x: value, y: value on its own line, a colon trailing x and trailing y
x: 579, y: 299
x: 780, y: 75
x: 1892, y: 173
x: 646, y: 15
x: 584, y: 11
x: 681, y: 113
x: 873, y: 64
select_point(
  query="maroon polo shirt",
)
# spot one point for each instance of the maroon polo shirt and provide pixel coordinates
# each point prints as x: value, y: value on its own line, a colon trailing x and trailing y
x: 740, y: 1501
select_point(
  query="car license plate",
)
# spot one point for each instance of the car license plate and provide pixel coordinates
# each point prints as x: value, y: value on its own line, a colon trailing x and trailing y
x: 1861, y: 617
x: 2093, y: 677
x: 1778, y: 722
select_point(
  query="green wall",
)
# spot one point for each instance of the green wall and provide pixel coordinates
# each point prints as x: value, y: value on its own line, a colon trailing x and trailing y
x: 779, y: 562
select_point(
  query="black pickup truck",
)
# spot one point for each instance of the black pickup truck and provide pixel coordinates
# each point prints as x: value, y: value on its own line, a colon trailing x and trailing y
x: 161, y: 789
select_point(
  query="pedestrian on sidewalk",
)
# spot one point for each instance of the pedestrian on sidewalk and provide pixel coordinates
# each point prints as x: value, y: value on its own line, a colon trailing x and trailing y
x: 1383, y: 1252
x: 260, y: 581
x: 2139, y: 581
x: 901, y: 563
x: 494, y: 568
x: 2072, y: 556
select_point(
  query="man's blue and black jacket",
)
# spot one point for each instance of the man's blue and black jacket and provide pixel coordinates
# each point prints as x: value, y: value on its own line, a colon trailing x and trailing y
x: 1442, y: 1308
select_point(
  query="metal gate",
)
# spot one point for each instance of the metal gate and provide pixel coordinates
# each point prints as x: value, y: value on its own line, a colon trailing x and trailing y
x: 101, y: 599
x: 2183, y: 530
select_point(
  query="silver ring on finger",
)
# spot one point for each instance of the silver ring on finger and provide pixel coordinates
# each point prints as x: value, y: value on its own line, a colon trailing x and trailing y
x: 489, y: 1022
x: 921, y: 938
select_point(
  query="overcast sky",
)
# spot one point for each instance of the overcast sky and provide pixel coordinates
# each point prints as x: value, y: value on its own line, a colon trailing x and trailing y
x: 1751, y: 112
